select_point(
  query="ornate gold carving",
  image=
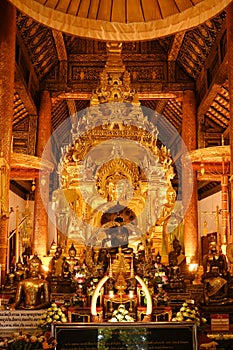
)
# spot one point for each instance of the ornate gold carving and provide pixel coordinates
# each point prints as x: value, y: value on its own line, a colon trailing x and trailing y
x: 112, y: 173
x: 120, y: 266
x: 114, y: 80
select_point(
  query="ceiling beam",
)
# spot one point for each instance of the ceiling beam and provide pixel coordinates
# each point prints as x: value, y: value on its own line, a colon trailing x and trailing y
x: 215, y: 88
x: 73, y: 95
x: 23, y: 91
x: 176, y: 45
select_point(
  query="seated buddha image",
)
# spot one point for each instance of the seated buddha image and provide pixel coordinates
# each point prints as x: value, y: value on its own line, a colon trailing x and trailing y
x: 119, y: 191
x: 216, y: 277
x: 167, y: 218
x: 115, y: 221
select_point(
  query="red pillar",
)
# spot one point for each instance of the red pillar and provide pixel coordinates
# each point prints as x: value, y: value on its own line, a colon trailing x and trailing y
x: 229, y: 25
x: 189, y: 135
x: 7, y: 68
x: 40, y: 239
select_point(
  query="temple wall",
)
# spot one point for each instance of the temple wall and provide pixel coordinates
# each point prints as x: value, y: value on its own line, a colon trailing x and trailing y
x: 15, y: 200
x: 207, y: 212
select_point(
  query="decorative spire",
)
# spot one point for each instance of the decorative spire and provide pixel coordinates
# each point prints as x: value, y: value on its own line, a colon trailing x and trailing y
x: 114, y: 80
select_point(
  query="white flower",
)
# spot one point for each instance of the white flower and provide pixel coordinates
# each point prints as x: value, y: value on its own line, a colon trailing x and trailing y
x: 120, y: 317
x: 63, y: 320
x: 129, y: 318
x: 179, y: 319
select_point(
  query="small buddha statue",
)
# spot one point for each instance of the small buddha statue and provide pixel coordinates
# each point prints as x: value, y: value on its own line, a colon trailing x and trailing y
x: 72, y: 260
x: 159, y: 271
x: 55, y: 264
x: 175, y: 278
x: 213, y: 258
x: 215, y: 277
x: 177, y: 255
x: 10, y: 282
x: 65, y: 284
x: 19, y: 271
x: 215, y: 287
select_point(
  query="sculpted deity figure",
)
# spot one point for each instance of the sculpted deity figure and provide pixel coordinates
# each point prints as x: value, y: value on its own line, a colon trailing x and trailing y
x: 166, y: 214
x: 216, y: 277
x: 72, y: 260
x: 55, y: 264
x: 32, y: 293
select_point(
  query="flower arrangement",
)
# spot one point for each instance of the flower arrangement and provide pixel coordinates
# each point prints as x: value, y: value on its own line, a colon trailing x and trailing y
x: 189, y: 312
x: 161, y: 298
x: 24, y: 341
x: 54, y: 314
x: 121, y: 315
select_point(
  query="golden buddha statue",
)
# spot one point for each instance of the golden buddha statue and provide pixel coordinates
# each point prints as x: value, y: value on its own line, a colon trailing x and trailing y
x: 32, y: 293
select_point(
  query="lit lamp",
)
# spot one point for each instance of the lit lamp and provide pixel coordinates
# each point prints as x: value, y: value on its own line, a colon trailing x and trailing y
x: 131, y: 293
x: 193, y: 268
x: 111, y: 294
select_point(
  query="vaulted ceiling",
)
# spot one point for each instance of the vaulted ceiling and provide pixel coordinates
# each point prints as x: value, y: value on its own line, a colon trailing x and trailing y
x: 160, y: 69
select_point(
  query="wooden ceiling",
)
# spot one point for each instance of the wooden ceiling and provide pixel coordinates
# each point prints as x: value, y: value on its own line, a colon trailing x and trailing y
x: 160, y: 70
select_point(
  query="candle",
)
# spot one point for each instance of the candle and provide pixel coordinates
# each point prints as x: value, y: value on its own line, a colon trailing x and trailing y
x: 131, y: 294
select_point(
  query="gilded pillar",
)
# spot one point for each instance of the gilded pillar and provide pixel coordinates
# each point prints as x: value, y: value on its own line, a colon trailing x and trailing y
x: 229, y: 25
x: 7, y: 68
x: 224, y: 185
x: 189, y: 135
x: 40, y: 239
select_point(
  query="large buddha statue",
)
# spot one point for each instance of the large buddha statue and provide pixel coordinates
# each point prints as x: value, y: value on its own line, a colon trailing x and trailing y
x: 216, y: 277
x: 32, y: 293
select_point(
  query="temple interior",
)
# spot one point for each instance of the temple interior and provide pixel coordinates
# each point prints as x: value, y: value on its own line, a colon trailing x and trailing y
x: 116, y: 153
